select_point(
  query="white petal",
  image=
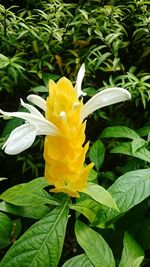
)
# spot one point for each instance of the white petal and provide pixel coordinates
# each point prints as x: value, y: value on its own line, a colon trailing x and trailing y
x: 105, y: 98
x: 30, y: 108
x: 38, y: 101
x: 34, y: 120
x: 20, y: 139
x: 80, y: 77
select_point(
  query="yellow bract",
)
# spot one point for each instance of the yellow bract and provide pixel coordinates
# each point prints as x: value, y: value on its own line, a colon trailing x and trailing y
x: 64, y: 154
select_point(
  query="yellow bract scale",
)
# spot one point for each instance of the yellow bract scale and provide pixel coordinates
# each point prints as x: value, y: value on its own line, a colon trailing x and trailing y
x: 64, y: 154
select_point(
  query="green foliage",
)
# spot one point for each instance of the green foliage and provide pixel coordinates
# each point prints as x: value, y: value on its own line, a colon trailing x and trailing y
x: 94, y: 246
x: 25, y: 194
x: 130, y: 189
x: 137, y: 148
x: 42, y: 244
x: 97, y: 154
x: 100, y: 195
x: 57, y: 37
x: 132, y: 254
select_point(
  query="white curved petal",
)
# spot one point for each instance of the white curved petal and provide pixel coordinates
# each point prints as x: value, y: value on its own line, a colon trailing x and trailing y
x: 31, y: 109
x: 34, y: 120
x: 80, y: 77
x: 20, y: 139
x: 37, y: 100
x: 105, y: 98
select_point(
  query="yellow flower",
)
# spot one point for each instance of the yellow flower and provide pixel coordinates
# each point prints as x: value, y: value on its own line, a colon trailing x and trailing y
x: 64, y: 127
x: 64, y: 154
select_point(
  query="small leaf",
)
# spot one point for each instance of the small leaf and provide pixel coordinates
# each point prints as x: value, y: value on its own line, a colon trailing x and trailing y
x: 101, y: 195
x: 40, y: 89
x: 42, y: 244
x: 94, y: 246
x: 119, y: 131
x: 92, y: 175
x: 132, y: 254
x: 97, y: 153
x: 137, y: 143
x: 79, y: 261
x: 131, y: 188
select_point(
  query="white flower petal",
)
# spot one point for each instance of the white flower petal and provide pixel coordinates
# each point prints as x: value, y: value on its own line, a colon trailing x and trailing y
x: 20, y: 139
x: 37, y: 100
x: 31, y: 109
x: 80, y: 76
x: 105, y: 98
x: 34, y: 120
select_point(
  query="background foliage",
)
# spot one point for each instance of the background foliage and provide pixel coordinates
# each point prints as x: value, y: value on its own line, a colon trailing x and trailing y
x: 40, y: 40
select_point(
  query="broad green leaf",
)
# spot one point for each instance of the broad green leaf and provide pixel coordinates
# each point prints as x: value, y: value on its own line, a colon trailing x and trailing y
x: 97, y: 153
x: 132, y: 254
x: 29, y: 193
x: 33, y: 212
x: 79, y: 261
x: 41, y: 245
x: 126, y: 148
x: 120, y: 132
x: 131, y: 188
x: 94, y: 246
x: 137, y: 143
x: 101, y: 195
x: 6, y: 227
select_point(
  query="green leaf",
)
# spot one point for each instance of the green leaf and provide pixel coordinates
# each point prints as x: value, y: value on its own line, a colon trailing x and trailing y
x: 131, y: 188
x: 29, y: 193
x: 33, y: 212
x: 126, y: 148
x: 94, y: 246
x: 144, y: 131
x: 42, y: 244
x: 79, y: 261
x: 137, y: 143
x: 119, y: 131
x: 132, y: 254
x: 97, y: 153
x: 92, y: 175
x: 6, y: 226
x: 4, y: 61
x: 47, y: 76
x: 40, y: 89
x: 88, y: 207
x: 101, y: 195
